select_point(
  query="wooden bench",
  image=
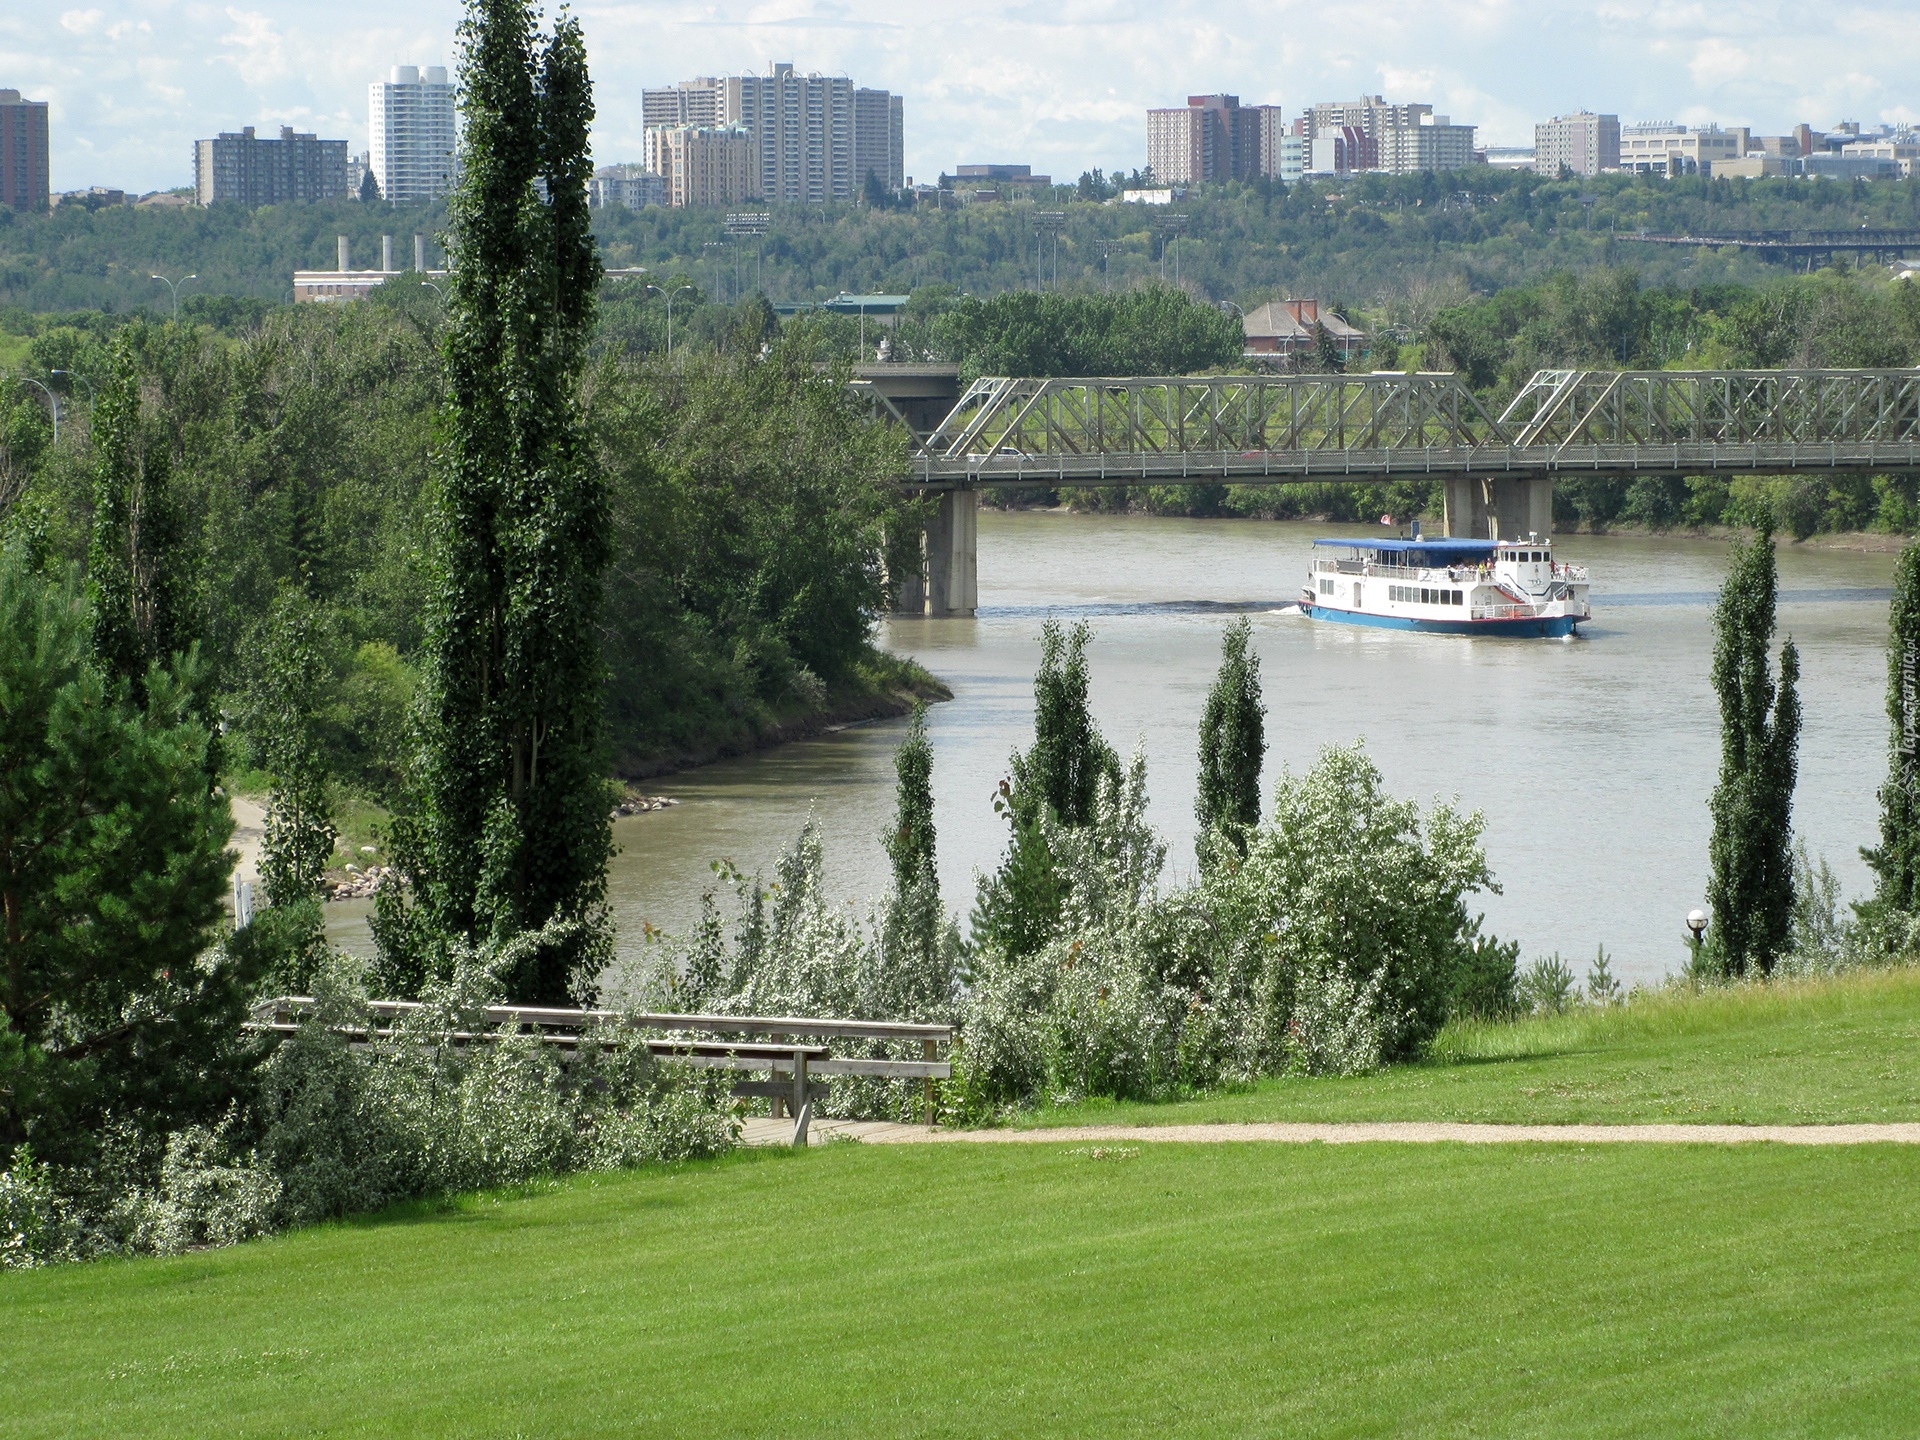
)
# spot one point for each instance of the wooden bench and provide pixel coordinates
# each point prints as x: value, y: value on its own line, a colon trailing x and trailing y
x: 773, y: 1043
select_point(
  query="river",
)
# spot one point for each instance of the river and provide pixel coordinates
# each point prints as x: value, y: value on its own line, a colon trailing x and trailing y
x: 1592, y: 759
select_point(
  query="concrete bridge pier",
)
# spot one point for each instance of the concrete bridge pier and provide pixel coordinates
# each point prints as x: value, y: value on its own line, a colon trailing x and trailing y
x: 1498, y: 508
x: 953, y: 555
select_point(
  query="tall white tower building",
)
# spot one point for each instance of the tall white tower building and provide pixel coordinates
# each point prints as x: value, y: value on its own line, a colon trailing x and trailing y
x: 410, y: 120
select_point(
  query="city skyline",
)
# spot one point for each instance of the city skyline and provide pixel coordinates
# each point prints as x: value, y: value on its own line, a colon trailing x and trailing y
x: 131, y: 87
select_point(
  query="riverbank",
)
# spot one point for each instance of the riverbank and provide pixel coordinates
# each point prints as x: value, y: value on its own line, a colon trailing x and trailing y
x: 880, y: 687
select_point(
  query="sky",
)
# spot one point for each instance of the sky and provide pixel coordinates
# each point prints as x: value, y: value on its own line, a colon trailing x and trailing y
x: 1061, y: 85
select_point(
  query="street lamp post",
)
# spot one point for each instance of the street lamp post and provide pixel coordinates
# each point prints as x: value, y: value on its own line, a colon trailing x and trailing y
x: 719, y: 289
x: 1047, y: 225
x: 670, y: 294
x: 81, y: 378
x: 52, y: 399
x: 1108, y: 249
x: 173, y: 288
x: 1696, y: 927
x: 1170, y: 227
x: 752, y: 223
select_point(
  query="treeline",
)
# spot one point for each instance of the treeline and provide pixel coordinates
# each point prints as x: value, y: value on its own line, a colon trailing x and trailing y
x: 750, y: 507
x: 1362, y: 242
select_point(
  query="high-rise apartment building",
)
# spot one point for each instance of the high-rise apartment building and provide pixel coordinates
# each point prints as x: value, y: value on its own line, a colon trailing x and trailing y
x: 879, y: 139
x: 1406, y: 139
x: 410, y: 117
x: 1214, y: 138
x: 702, y: 164
x: 1583, y: 142
x: 247, y: 170
x: 815, y: 137
x: 23, y: 152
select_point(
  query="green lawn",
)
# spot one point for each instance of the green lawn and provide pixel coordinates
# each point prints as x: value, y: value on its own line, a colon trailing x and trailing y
x: 1033, y: 1291
x: 1797, y: 1053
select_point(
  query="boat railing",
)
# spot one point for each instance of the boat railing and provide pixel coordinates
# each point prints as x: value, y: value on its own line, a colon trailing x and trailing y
x: 1506, y: 612
x: 1454, y: 574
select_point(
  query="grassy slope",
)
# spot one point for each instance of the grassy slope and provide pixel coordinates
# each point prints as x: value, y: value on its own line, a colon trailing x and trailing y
x: 1033, y: 1291
x: 1821, y: 1051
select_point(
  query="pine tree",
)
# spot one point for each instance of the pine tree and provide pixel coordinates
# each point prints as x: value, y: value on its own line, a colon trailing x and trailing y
x: 137, y: 575
x: 116, y: 1002
x: 1896, y: 860
x: 510, y: 832
x: 1750, y: 886
x: 1233, y: 744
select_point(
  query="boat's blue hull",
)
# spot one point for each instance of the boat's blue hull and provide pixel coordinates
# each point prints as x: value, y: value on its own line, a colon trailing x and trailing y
x: 1548, y: 627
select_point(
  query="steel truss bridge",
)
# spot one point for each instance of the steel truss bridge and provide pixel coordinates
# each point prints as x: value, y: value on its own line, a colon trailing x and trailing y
x: 1807, y: 245
x: 1276, y: 429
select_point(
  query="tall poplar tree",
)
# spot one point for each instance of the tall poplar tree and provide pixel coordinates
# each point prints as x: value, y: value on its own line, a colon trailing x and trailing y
x: 1233, y: 744
x: 1055, y: 785
x: 1896, y: 859
x: 510, y: 831
x: 1750, y: 885
x: 910, y: 843
x: 136, y: 569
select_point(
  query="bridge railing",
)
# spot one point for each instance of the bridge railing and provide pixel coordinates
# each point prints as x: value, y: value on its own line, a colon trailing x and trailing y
x: 1268, y: 428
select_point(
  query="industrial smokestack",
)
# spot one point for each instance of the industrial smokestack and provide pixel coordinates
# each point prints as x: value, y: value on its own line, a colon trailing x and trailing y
x: 386, y: 254
x: 343, y: 253
x: 420, y: 253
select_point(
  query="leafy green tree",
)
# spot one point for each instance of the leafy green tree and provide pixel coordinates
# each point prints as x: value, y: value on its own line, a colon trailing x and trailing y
x: 910, y: 843
x: 1750, y: 885
x: 513, y: 829
x: 1896, y: 859
x: 136, y: 564
x: 113, y: 862
x: 1233, y: 744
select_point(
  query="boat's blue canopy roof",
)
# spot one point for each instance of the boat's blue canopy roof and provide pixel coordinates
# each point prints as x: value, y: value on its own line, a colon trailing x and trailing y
x: 1451, y: 549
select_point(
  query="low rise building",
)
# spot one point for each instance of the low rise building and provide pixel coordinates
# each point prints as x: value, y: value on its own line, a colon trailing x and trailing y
x: 1664, y: 148
x: 997, y: 182
x: 626, y: 187
x: 1287, y: 331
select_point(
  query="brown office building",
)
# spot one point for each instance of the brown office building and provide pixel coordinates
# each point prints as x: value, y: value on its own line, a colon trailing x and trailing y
x: 23, y: 152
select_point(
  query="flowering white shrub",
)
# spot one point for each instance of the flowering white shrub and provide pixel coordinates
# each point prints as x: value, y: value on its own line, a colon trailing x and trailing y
x: 333, y: 1131
x: 793, y: 952
x: 1336, y: 945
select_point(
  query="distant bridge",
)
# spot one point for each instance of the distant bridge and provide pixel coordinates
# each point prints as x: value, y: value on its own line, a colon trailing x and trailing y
x: 1497, y: 470
x: 1808, y: 245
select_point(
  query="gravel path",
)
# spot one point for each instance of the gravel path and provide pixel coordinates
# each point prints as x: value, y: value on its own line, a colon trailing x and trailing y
x: 1426, y: 1132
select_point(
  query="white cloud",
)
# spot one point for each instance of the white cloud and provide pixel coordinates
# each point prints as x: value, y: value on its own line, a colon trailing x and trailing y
x: 1061, y: 84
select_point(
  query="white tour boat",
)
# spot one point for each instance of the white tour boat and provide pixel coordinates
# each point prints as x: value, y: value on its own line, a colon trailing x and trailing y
x: 1452, y: 587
